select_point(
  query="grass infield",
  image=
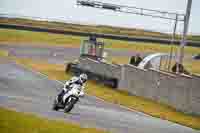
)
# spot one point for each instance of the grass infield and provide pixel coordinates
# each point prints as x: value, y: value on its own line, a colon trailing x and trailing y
x: 17, y: 122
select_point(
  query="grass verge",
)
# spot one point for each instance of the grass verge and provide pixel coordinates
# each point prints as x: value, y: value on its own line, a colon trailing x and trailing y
x: 93, y: 28
x: 38, y: 38
x: 3, y: 53
x: 118, y: 97
x: 146, y: 47
x: 27, y: 123
x: 49, y: 39
x: 84, y: 28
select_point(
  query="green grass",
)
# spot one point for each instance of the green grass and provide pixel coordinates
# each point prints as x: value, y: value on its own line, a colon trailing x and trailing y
x: 93, y: 28
x: 3, y: 53
x: 118, y: 97
x: 17, y: 122
x: 39, y: 38
x: 45, y: 39
x: 193, y: 66
x: 84, y: 28
x: 146, y: 47
x: 108, y: 94
x: 194, y: 37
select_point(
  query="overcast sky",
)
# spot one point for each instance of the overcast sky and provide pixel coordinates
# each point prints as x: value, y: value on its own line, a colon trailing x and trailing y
x: 68, y: 11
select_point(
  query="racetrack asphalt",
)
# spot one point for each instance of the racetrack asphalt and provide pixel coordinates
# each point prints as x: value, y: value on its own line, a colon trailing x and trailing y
x: 55, y: 54
x: 27, y: 91
x: 59, y: 54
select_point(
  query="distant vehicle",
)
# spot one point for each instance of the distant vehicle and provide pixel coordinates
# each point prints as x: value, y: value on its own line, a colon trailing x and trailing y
x: 94, y: 50
x: 196, y: 57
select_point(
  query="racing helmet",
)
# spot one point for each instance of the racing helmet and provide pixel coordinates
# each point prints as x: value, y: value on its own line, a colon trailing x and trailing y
x: 83, y: 77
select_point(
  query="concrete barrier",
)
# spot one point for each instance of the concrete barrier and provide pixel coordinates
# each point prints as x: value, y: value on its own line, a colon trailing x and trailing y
x: 195, y: 95
x: 179, y: 91
x: 102, y: 72
x: 103, y: 68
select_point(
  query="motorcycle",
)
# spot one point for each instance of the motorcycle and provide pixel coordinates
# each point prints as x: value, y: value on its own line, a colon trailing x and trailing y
x: 69, y: 99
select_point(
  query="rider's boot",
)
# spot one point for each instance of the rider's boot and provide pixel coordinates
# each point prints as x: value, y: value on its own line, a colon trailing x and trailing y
x: 60, y: 96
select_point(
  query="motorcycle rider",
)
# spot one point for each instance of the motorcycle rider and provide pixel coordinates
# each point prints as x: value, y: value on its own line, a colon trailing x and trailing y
x: 81, y: 80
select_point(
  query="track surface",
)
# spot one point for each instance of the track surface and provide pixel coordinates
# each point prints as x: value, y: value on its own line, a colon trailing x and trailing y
x: 26, y: 91
x: 59, y: 55
x: 55, y: 54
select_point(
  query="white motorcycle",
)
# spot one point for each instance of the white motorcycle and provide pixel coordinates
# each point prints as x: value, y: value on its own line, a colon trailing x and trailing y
x: 69, y: 99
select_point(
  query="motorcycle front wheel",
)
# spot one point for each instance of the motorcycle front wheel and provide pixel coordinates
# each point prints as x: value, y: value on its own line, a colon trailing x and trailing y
x: 70, y: 105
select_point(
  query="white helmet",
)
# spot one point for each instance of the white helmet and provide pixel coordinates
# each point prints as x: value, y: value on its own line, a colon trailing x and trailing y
x: 83, y: 77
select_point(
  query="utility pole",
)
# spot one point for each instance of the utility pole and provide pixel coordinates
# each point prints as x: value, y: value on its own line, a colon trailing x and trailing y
x: 185, y: 30
x: 172, y: 42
